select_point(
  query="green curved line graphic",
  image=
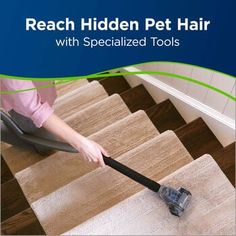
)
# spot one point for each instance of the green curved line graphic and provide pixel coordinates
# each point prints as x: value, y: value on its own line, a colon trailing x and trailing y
x: 139, y: 72
x: 100, y: 72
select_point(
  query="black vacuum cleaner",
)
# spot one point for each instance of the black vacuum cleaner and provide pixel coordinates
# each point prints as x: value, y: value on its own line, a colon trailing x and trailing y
x: 176, y: 199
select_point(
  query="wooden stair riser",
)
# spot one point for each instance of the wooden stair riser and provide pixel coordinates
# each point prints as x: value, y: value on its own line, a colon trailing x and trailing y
x: 165, y: 116
x: 198, y: 138
x: 116, y: 84
x: 23, y: 223
x: 13, y: 200
x: 6, y: 174
x: 225, y: 158
x: 138, y: 98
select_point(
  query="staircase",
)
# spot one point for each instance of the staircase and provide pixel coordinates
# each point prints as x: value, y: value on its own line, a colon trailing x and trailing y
x: 61, y: 194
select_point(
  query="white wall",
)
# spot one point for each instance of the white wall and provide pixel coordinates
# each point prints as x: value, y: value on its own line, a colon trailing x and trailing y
x: 202, y: 94
x: 192, y: 100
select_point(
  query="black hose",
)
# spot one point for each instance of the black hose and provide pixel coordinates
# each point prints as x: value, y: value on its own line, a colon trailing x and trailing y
x: 152, y: 185
x: 61, y: 146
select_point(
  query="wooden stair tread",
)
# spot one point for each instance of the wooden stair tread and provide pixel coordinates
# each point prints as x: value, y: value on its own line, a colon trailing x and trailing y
x: 6, y: 174
x: 23, y: 223
x: 61, y: 168
x: 211, y: 212
x: 165, y: 116
x: 13, y: 200
x: 116, y: 84
x: 137, y: 98
x: 103, y: 188
x: 79, y: 99
x: 225, y: 158
x: 98, y: 115
x: 65, y: 88
x: 198, y: 138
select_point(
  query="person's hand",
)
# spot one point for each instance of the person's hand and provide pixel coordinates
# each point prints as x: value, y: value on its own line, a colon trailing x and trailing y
x: 91, y: 151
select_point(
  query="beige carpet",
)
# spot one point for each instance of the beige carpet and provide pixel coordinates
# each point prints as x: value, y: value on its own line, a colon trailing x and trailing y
x: 79, y: 99
x: 103, y: 188
x: 99, y: 115
x: 65, y: 88
x: 18, y: 158
x: 4, y: 146
x: 212, y: 209
x: 86, y: 121
x: 61, y: 168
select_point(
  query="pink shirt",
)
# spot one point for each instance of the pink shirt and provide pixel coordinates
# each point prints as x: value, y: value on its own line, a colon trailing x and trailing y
x: 34, y: 104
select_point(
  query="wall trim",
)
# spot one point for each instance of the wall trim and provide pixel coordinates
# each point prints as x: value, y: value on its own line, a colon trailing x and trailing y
x: 225, y: 120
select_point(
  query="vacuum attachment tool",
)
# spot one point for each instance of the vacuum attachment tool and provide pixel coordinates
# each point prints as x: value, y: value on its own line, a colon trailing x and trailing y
x: 176, y: 199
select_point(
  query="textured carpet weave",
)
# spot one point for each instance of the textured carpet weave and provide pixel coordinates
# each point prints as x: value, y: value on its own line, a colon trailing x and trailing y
x: 63, y: 89
x: 103, y: 188
x: 61, y: 168
x: 98, y: 115
x: 18, y: 158
x: 212, y: 209
x: 79, y: 99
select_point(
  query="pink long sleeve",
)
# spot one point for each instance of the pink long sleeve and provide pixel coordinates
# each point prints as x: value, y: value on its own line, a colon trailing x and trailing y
x: 34, y: 104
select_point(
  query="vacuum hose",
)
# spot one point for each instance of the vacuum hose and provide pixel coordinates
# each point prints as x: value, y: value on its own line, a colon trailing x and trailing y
x: 176, y: 199
x: 61, y: 146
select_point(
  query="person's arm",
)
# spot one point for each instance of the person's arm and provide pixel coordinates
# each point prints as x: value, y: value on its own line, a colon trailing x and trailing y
x: 90, y: 150
x: 29, y: 104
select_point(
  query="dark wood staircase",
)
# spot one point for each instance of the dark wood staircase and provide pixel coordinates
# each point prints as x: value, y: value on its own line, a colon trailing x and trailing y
x: 225, y: 158
x: 137, y: 98
x: 6, y: 174
x: 116, y: 84
x: 18, y: 218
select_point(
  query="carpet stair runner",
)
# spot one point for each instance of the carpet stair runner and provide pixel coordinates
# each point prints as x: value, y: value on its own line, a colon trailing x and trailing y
x: 63, y: 88
x: 61, y: 194
x: 212, y: 210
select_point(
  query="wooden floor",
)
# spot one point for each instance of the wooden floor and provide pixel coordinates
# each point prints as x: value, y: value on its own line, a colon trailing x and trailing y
x: 225, y: 158
x: 6, y: 174
x: 23, y: 223
x: 165, y: 116
x: 198, y: 138
x: 121, y: 133
x: 116, y: 84
x: 17, y: 217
